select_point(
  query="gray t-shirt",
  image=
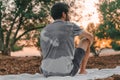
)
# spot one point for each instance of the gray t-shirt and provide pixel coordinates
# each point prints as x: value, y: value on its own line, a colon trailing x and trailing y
x: 57, y: 44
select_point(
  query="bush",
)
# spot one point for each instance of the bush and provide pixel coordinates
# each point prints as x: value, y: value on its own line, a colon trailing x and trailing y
x: 16, y: 48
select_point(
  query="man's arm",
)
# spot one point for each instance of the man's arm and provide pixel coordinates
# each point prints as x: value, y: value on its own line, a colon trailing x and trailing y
x: 86, y: 47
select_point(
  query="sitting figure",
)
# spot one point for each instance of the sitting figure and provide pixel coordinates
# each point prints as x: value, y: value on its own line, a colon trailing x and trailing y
x: 60, y: 57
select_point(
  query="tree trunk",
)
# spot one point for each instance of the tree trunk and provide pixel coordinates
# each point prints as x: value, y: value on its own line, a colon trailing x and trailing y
x: 6, y: 51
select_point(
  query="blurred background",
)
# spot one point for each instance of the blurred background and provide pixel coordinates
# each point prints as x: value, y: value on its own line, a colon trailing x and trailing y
x: 22, y: 20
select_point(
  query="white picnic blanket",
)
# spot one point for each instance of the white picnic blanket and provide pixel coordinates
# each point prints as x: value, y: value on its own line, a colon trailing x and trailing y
x: 91, y: 75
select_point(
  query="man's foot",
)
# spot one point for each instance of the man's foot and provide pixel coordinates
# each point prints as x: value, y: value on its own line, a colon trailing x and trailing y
x: 83, y: 72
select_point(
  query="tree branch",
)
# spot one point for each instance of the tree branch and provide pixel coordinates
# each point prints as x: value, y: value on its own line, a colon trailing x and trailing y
x: 19, y: 25
x: 35, y: 28
x: 10, y: 30
x: 21, y: 20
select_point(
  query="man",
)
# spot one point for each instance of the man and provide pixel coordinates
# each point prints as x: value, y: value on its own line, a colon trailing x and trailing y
x: 60, y: 58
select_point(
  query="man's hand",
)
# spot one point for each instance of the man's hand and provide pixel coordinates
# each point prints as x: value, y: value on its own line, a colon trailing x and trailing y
x: 88, y: 36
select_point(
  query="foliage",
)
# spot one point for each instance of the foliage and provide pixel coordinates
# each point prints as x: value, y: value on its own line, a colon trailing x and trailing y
x: 21, y: 16
x: 110, y: 28
x: 115, y: 46
x: 16, y: 48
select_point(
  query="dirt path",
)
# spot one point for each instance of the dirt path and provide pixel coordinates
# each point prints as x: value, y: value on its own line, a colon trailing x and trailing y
x: 33, y: 51
x: 16, y: 65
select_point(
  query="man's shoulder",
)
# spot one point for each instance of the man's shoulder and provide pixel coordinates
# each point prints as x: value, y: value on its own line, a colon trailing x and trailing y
x: 70, y: 23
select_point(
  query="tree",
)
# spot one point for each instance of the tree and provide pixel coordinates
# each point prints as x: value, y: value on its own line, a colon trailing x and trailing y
x: 110, y: 27
x: 21, y: 16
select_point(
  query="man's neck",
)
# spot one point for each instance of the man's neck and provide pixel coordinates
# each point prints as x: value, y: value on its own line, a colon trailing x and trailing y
x: 62, y: 18
x: 59, y: 20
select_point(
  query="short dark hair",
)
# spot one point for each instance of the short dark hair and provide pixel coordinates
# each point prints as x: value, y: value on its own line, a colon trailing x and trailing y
x: 58, y: 9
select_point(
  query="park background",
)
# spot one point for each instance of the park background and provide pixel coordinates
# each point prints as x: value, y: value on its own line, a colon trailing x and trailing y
x: 21, y: 22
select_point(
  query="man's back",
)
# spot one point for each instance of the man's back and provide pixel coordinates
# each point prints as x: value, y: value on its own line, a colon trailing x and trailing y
x: 57, y: 44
